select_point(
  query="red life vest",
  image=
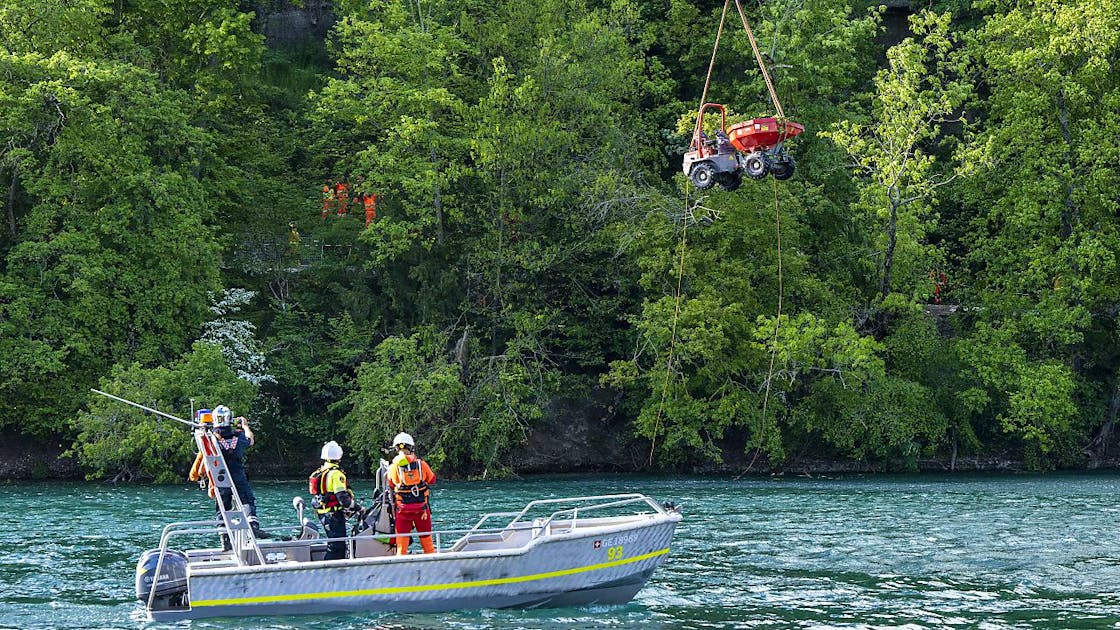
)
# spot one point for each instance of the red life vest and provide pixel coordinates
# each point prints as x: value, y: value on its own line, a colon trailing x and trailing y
x: 317, y: 488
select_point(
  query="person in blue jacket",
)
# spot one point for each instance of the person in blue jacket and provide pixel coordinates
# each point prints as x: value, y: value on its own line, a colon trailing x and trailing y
x: 234, y: 442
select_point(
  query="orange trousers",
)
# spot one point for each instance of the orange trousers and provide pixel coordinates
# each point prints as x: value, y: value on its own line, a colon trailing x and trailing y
x: 409, y: 518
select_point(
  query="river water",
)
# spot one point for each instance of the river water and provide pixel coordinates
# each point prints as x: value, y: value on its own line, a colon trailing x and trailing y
x: 852, y: 552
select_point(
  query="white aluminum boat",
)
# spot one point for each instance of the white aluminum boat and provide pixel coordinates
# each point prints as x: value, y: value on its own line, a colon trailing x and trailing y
x: 555, y: 552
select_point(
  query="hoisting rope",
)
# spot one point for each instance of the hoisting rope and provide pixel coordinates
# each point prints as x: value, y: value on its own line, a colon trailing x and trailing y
x: 778, y: 232
x: 684, y: 243
x: 774, y: 339
x: 708, y: 78
x: 761, y: 65
x: 673, y: 329
x: 684, y: 238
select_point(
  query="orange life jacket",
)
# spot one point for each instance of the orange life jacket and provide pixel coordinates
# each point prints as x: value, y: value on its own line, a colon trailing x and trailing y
x: 341, y: 197
x: 197, y: 469
x: 411, y: 488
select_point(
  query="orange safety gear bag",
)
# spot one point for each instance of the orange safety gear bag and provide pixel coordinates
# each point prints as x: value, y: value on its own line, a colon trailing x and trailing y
x: 412, y: 488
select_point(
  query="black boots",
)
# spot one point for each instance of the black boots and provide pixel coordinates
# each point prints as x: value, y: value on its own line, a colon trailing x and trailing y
x: 257, y: 531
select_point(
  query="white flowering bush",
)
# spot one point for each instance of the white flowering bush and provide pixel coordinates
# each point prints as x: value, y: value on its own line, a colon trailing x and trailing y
x: 236, y: 337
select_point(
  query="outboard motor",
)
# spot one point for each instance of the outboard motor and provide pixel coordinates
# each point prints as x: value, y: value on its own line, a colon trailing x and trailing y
x: 171, y: 587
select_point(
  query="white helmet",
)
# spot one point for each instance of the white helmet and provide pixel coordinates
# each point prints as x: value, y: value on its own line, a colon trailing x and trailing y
x: 405, y: 439
x: 332, y: 451
x: 222, y: 416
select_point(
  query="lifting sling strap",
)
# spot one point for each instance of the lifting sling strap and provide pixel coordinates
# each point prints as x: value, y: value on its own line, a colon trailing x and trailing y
x: 757, y: 56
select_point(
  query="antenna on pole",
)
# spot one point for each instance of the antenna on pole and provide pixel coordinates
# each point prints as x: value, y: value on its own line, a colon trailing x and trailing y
x: 194, y: 425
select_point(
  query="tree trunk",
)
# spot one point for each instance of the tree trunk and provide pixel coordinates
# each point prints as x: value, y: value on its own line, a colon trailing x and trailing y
x: 953, y: 457
x: 12, y: 201
x: 1099, y: 446
x: 461, y: 353
x: 892, y: 239
x: 436, y: 200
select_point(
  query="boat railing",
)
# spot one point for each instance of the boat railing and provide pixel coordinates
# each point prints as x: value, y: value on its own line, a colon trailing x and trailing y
x: 595, y: 502
x: 571, y: 515
x: 438, y: 536
x: 518, y: 521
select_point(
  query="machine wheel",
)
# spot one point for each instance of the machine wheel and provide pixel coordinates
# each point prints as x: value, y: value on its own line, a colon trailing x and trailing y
x: 703, y: 175
x: 782, y: 169
x: 730, y: 181
x: 756, y: 165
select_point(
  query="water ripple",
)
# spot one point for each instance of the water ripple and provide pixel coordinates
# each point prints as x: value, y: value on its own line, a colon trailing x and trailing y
x: 875, y: 552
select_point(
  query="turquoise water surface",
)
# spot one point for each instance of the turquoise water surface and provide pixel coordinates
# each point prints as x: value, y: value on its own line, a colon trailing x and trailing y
x: 852, y: 552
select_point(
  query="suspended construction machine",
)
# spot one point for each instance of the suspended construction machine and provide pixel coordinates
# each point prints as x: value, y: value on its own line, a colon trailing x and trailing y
x: 754, y: 148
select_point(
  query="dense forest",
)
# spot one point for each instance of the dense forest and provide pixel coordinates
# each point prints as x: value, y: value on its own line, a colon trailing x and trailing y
x: 939, y: 278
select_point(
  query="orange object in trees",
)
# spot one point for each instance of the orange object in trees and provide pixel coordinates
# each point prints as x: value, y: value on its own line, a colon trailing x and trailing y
x: 328, y: 199
x: 370, y: 203
x: 342, y: 197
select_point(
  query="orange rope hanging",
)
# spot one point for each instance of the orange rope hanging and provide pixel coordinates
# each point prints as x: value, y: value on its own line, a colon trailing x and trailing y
x: 761, y: 64
x: 684, y: 243
x: 708, y: 78
x: 673, y: 329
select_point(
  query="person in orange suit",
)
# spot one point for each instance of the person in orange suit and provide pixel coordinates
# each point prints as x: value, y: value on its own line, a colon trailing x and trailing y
x: 410, y: 479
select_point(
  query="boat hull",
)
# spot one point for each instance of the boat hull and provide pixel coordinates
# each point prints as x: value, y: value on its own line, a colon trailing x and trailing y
x: 597, y: 565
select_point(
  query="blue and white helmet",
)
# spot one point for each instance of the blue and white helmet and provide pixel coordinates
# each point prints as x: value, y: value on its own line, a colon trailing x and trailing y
x: 222, y: 416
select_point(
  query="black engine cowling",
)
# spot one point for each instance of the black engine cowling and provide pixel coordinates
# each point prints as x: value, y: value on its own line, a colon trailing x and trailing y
x: 172, y: 574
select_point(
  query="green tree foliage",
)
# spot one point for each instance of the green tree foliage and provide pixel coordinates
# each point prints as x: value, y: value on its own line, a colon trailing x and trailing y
x: 699, y: 368
x: 37, y: 26
x: 409, y: 385
x: 497, y: 230
x: 109, y: 250
x: 1043, y: 225
x: 921, y: 88
x: 535, y: 239
x: 109, y: 256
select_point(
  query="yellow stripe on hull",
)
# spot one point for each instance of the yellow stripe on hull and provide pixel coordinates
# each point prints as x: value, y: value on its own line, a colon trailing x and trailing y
x: 424, y: 587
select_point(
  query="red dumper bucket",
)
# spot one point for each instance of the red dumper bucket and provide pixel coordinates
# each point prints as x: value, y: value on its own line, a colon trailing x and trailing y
x: 762, y: 133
